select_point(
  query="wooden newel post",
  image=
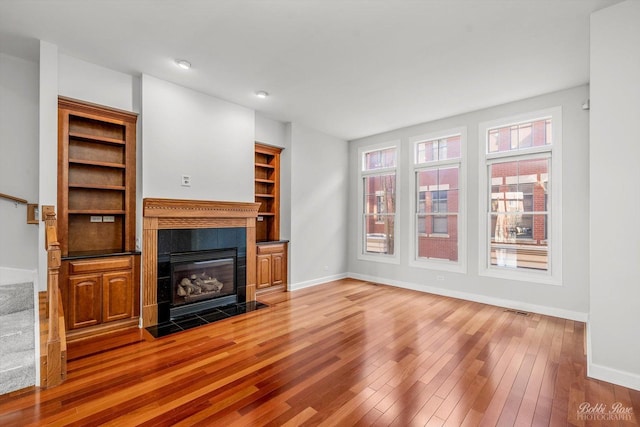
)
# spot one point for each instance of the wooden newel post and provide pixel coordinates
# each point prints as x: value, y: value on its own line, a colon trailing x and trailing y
x: 54, y: 373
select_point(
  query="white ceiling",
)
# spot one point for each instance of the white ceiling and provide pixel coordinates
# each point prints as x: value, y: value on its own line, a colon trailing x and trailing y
x: 349, y: 68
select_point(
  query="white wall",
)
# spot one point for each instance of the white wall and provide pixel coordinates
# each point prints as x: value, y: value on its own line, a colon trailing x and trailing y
x: 48, y: 148
x: 92, y: 83
x: 270, y: 132
x: 185, y: 132
x: 319, y: 189
x: 569, y: 300
x: 18, y: 160
x: 285, y: 187
x: 614, y: 172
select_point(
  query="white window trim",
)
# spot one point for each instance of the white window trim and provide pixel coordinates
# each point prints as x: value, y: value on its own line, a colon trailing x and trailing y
x: 384, y: 258
x: 459, y: 266
x: 554, y: 275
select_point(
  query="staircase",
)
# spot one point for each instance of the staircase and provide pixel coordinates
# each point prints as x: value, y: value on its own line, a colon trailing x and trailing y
x: 17, y: 341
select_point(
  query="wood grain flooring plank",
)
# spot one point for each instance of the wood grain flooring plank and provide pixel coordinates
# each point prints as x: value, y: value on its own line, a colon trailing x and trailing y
x: 428, y: 410
x: 357, y: 414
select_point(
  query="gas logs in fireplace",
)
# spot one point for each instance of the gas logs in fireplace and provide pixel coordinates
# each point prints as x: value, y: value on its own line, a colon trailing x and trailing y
x: 201, y: 275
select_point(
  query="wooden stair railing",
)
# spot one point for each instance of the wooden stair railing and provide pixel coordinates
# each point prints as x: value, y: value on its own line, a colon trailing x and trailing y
x: 32, y: 208
x: 55, y: 362
x: 14, y: 199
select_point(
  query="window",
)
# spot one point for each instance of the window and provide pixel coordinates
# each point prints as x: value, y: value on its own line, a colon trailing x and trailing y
x: 437, y: 206
x: 521, y: 189
x: 378, y: 180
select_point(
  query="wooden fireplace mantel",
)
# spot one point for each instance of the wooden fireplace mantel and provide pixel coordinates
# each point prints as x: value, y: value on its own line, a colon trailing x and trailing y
x: 163, y: 214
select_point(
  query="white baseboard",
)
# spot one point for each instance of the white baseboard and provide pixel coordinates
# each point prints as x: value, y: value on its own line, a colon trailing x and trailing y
x: 314, y: 282
x: 500, y: 302
x: 610, y: 375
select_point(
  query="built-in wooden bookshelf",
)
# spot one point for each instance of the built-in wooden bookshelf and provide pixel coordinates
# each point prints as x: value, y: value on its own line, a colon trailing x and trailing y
x: 267, y: 192
x: 271, y: 262
x: 96, y: 184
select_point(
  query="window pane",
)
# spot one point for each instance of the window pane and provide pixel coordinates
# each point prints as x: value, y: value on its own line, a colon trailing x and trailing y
x: 425, y: 151
x: 518, y: 137
x: 440, y: 225
x: 540, y: 135
x: 519, y: 241
x: 436, y: 218
x: 440, y: 237
x: 451, y: 149
x: 499, y: 140
x: 426, y: 180
x: 422, y: 224
x: 438, y: 180
x: 525, y: 136
x: 451, y: 201
x: 379, y: 213
x: 379, y: 194
x: 379, y: 237
x: 379, y: 159
x: 438, y: 149
x: 422, y: 202
x: 533, y: 259
x: 519, y: 186
x: 518, y: 214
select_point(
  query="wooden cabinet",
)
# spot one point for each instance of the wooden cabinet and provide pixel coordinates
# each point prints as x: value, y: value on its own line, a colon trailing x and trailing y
x: 99, y: 291
x: 100, y: 277
x: 117, y: 288
x: 96, y: 178
x: 267, y: 192
x: 271, y: 267
x: 84, y: 307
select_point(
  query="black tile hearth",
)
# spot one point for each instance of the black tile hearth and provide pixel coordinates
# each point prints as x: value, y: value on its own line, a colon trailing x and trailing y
x: 164, y: 329
x: 235, y: 309
x: 189, y: 321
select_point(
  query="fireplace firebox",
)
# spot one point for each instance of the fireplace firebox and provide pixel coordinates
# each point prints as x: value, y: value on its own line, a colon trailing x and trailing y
x: 200, y: 269
x: 202, y: 275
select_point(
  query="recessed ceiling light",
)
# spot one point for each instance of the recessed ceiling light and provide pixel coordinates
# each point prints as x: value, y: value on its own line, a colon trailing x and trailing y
x: 185, y: 65
x: 262, y: 94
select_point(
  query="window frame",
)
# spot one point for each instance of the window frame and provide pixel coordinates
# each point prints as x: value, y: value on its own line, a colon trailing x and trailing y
x: 459, y: 266
x: 553, y: 151
x: 369, y: 256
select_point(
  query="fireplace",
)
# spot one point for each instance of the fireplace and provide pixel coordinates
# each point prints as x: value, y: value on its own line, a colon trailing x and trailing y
x: 176, y: 229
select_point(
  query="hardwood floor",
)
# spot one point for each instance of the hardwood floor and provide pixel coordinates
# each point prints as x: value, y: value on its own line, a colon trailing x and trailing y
x: 340, y: 354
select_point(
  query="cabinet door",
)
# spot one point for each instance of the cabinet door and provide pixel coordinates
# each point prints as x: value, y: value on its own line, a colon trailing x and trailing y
x: 278, y: 269
x: 85, y: 303
x: 117, y: 295
x: 263, y: 271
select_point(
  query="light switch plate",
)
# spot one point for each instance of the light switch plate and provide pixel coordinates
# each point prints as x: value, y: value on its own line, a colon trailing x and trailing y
x: 186, y: 180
